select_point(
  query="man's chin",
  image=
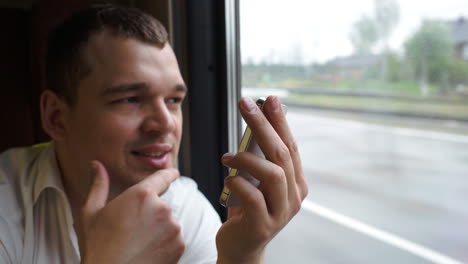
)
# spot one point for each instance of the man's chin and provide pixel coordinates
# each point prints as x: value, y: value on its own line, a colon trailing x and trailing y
x: 139, y: 175
x: 123, y: 180
x: 120, y: 183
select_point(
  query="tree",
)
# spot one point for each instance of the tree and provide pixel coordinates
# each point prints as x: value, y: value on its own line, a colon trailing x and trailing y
x: 458, y: 73
x: 378, y: 28
x: 370, y: 30
x: 387, y: 15
x: 393, y: 67
x: 363, y: 35
x: 429, y: 51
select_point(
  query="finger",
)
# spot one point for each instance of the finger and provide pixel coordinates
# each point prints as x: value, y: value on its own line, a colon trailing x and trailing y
x: 98, y: 194
x: 272, y: 179
x: 160, y: 181
x: 250, y: 198
x: 269, y: 141
x: 274, y: 112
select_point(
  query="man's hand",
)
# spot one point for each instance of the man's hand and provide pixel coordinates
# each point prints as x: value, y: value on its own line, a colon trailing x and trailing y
x: 266, y: 210
x: 135, y: 227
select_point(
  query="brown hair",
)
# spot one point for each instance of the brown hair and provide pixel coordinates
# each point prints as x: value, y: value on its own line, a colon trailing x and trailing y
x: 65, y: 63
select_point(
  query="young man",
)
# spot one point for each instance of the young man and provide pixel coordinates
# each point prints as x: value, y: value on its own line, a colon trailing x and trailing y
x: 105, y: 190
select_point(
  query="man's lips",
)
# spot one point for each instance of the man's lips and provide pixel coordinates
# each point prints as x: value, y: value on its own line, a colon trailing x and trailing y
x: 153, y: 148
x: 154, y: 156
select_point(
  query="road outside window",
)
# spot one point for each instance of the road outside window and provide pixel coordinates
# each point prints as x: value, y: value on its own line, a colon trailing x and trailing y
x: 377, y: 95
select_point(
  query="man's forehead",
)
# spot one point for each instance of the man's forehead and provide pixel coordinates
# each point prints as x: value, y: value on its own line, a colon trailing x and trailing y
x: 120, y: 65
x: 102, y: 45
x: 105, y: 47
x: 106, y: 53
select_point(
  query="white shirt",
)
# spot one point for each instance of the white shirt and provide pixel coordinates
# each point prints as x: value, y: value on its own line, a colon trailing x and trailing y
x: 36, y: 224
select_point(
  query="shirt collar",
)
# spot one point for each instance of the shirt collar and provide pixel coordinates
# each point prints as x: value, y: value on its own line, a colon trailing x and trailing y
x: 48, y: 176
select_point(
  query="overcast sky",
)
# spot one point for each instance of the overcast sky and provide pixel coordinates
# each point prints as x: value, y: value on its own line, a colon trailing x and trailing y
x: 280, y: 30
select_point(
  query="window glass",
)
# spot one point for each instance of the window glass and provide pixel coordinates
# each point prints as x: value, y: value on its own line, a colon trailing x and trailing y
x: 377, y: 95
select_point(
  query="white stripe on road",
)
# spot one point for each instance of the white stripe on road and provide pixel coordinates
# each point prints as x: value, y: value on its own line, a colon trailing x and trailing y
x: 430, y: 134
x: 378, y: 234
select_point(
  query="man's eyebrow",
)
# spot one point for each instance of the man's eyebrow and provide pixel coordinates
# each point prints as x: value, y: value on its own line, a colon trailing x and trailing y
x: 123, y: 88
x: 181, y: 88
x: 132, y: 87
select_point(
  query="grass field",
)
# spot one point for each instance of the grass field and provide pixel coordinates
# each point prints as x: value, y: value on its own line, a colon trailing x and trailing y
x: 457, y: 110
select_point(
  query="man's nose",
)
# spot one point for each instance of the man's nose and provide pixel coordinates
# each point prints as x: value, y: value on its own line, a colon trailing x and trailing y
x: 158, y: 118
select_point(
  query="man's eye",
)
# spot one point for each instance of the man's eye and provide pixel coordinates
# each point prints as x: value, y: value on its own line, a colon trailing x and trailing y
x: 132, y: 100
x: 174, y: 100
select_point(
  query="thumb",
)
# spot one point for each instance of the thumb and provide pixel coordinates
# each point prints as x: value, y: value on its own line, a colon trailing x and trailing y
x: 99, y: 191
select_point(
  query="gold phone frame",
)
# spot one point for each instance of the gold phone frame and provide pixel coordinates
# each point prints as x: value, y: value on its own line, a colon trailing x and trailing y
x: 243, y: 146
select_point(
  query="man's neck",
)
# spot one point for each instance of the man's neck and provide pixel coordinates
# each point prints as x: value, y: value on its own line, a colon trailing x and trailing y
x: 76, y: 186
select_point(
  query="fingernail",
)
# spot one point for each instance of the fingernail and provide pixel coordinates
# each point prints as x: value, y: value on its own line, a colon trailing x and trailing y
x: 226, y: 157
x: 275, y: 103
x: 248, y: 105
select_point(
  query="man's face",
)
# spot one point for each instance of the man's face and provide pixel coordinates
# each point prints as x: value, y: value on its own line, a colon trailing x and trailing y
x: 128, y: 110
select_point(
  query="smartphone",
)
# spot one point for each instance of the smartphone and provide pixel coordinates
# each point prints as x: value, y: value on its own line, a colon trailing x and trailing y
x: 247, y: 144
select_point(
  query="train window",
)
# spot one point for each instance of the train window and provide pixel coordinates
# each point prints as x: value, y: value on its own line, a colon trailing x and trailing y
x: 377, y: 93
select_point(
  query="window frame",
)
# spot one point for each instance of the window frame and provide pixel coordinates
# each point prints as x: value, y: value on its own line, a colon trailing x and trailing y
x: 206, y: 43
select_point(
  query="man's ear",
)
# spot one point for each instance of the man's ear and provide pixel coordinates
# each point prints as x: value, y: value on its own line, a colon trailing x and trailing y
x: 53, y: 115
